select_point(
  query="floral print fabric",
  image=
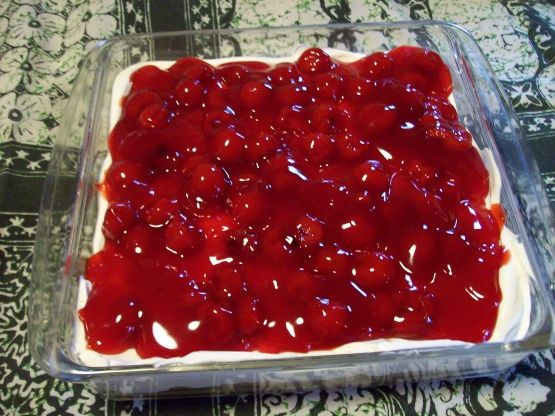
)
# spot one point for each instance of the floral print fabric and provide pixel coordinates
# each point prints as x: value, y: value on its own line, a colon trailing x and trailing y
x: 41, y: 45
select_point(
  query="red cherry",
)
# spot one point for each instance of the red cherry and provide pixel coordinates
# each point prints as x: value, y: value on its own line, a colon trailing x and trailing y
x: 460, y: 141
x: 357, y: 230
x: 110, y: 321
x: 216, y: 119
x: 122, y: 177
x: 292, y: 94
x: 248, y: 315
x: 243, y: 244
x: 418, y: 249
x: 414, y: 80
x: 192, y: 69
x: 140, y: 146
x: 152, y: 77
x: 182, y: 65
x: 422, y: 173
x: 161, y: 213
x: 217, y: 96
x: 314, y: 61
x: 168, y: 162
x: 373, y: 270
x: 182, y: 137
x: 343, y: 116
x: 228, y: 283
x: 327, y: 317
x: 371, y: 176
x: 255, y: 93
x: 448, y: 192
x: 375, y: 119
x: 308, y: 231
x: 283, y: 74
x: 316, y: 147
x: 441, y: 108
x: 250, y: 207
x: 208, y: 180
x: 181, y: 236
x: 261, y: 145
x: 382, y: 310
x: 140, y: 240
x: 136, y: 102
x: 349, y: 146
x: 109, y: 268
x: 189, y: 93
x: 301, y: 286
x: 292, y: 119
x: 259, y: 279
x: 122, y: 128
x: 228, y: 145
x: 476, y: 223
x: 332, y: 262
x: 154, y: 116
x: 275, y: 244
x: 425, y: 62
x: 119, y: 217
x: 360, y: 89
x: 232, y: 73
x: 321, y: 118
x: 328, y: 86
x: 377, y: 65
x: 168, y: 186
x: 217, y: 226
x: 218, y: 325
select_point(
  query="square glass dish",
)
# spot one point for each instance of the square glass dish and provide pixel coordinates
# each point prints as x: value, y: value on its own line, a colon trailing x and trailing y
x: 70, y: 209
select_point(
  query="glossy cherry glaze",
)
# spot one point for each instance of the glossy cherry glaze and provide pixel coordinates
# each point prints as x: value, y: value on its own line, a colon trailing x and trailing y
x: 292, y: 208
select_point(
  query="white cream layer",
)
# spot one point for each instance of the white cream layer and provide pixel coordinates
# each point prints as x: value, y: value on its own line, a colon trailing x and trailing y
x: 513, y: 314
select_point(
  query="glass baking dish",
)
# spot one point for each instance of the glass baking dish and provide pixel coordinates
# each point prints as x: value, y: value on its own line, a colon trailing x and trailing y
x: 70, y: 207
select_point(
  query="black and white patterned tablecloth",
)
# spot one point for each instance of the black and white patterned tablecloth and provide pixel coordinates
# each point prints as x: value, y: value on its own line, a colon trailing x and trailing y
x: 41, y: 45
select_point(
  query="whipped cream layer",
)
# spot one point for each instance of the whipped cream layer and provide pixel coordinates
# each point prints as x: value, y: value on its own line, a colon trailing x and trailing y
x: 513, y: 313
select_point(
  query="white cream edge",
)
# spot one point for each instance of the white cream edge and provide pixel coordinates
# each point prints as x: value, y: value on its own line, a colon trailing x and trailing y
x: 513, y: 314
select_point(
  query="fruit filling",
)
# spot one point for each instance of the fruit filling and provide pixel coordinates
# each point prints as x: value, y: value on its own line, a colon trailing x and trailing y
x: 291, y: 208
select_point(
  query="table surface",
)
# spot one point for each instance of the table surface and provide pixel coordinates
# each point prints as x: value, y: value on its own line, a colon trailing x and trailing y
x: 41, y: 45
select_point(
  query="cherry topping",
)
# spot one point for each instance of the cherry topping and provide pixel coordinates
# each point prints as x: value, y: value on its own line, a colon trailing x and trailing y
x: 314, y: 60
x: 373, y: 271
x: 332, y: 262
x: 208, y: 180
x: 250, y: 207
x: 228, y: 145
x: 261, y: 145
x: 110, y: 321
x: 370, y: 175
x: 327, y: 318
x: 118, y: 218
x: 292, y: 208
x: 283, y: 74
x: 181, y: 236
x: 254, y: 93
x: 154, y: 115
x: 377, y: 65
x: 161, y: 213
x: 135, y: 103
x: 189, y: 93
x: 317, y: 147
x: 308, y: 231
x: 152, y: 77
x: 376, y: 118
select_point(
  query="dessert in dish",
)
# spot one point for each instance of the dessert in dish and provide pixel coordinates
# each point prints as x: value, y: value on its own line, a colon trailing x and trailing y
x: 297, y: 207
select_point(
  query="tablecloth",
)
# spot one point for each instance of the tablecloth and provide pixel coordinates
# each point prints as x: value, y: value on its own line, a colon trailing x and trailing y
x: 41, y: 45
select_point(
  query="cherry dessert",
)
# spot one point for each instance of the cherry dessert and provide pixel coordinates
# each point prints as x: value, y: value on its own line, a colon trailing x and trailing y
x: 296, y: 207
